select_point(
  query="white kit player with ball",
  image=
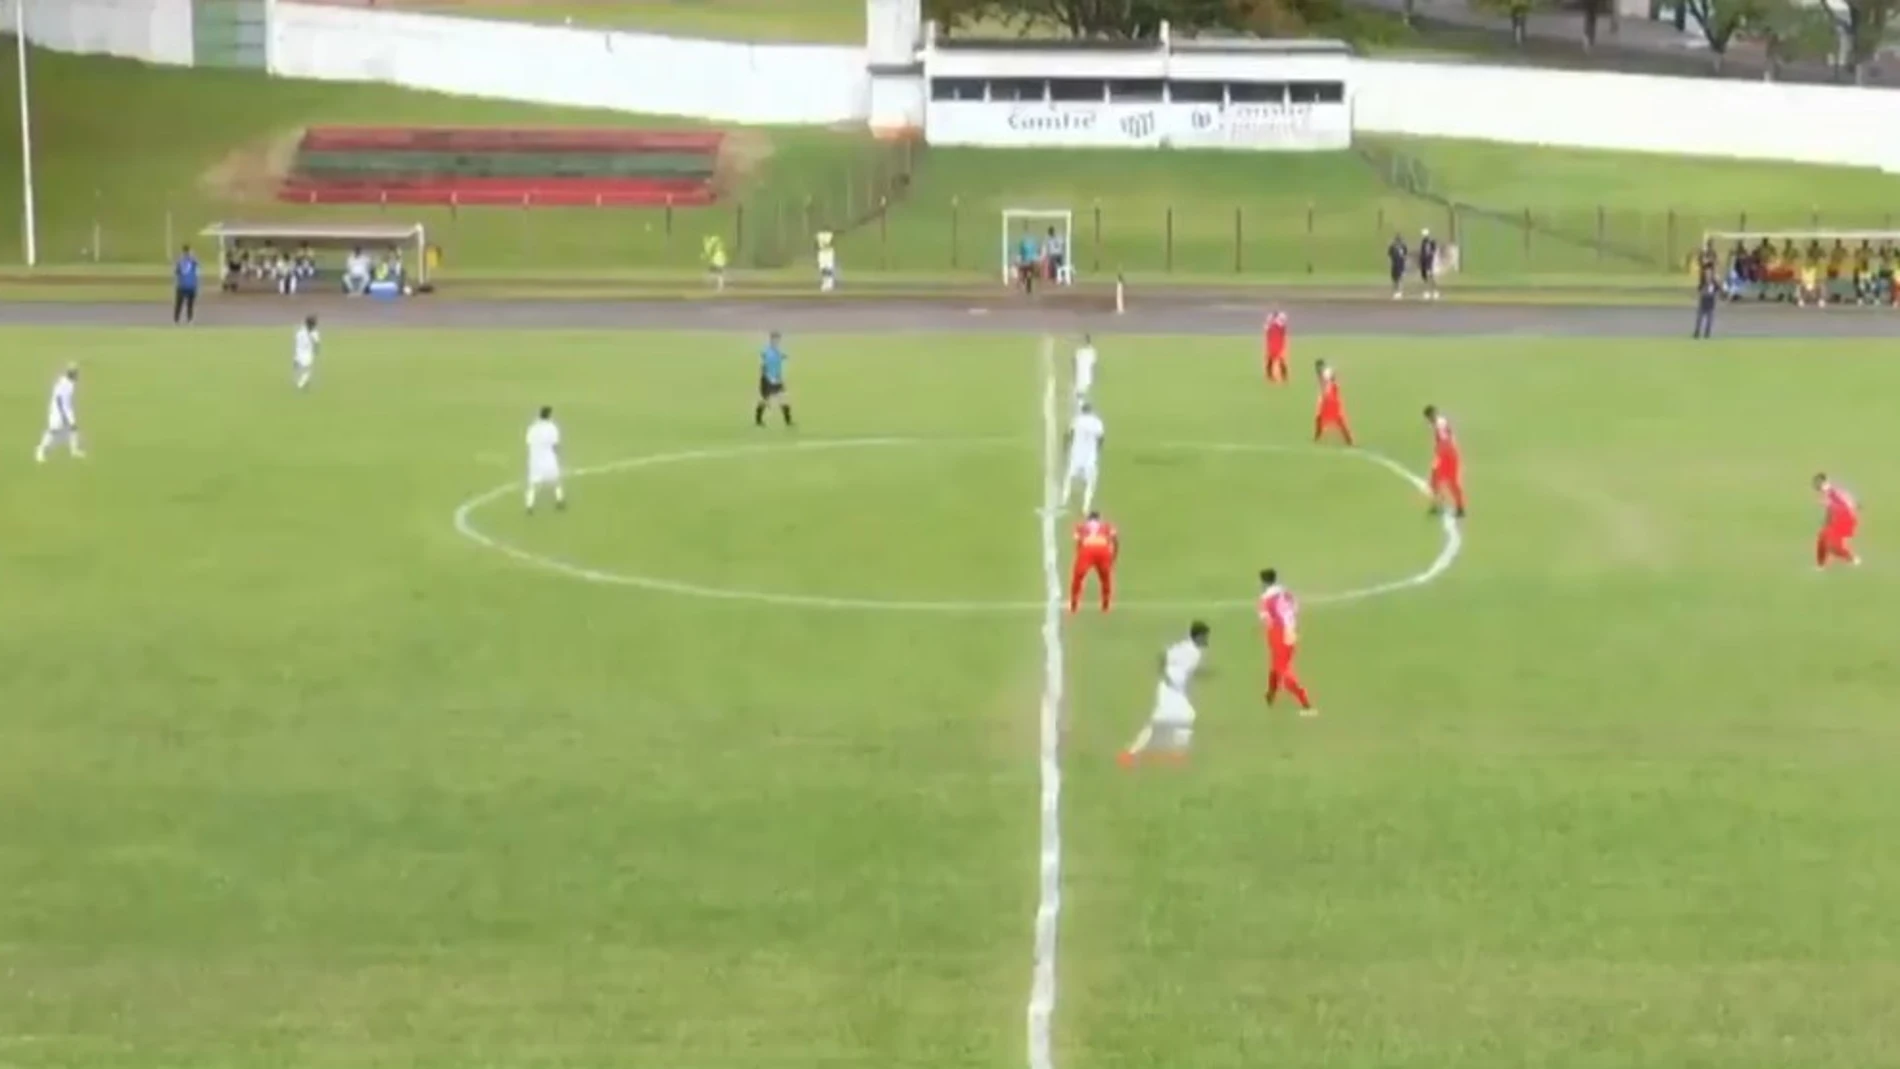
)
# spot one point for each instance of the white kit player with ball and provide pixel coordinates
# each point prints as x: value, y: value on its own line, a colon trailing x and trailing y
x: 303, y: 358
x: 1084, y: 370
x: 1086, y: 436
x: 1170, y: 725
x: 62, y: 418
x: 544, y: 459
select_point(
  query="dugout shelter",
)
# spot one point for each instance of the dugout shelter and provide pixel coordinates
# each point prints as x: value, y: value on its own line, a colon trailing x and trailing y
x: 336, y: 240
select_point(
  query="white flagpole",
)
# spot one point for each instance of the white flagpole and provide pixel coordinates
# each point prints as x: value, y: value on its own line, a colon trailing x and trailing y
x: 26, y: 143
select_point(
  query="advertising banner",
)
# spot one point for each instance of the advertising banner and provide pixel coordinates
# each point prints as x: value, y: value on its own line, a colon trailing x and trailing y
x: 1253, y: 127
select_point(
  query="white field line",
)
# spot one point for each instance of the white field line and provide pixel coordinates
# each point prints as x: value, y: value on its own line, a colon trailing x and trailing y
x: 1042, y: 984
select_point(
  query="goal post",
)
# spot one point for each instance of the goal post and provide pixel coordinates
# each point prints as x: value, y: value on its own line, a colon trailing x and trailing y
x: 1039, y: 223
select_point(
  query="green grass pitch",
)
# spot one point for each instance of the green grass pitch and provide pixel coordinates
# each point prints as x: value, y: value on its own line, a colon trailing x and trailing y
x: 295, y: 774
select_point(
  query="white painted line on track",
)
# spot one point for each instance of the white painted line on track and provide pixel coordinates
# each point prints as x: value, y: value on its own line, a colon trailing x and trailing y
x: 465, y: 526
x: 1042, y: 983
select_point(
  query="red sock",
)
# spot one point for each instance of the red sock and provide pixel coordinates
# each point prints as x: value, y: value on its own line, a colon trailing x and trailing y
x: 1273, y: 686
x: 1458, y: 496
x: 1075, y: 589
x: 1299, y: 693
x: 1347, y: 431
x: 1108, y: 586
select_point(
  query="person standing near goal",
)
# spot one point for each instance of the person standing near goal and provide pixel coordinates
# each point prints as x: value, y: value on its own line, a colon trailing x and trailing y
x: 544, y: 459
x: 303, y: 356
x: 1170, y: 726
x: 1086, y: 436
x: 1084, y: 370
x: 62, y: 418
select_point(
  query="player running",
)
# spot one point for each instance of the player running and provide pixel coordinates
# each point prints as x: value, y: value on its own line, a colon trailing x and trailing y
x: 772, y: 382
x: 1170, y: 726
x: 544, y: 459
x: 1276, y: 347
x: 1280, y: 615
x: 1448, y: 481
x: 1837, y: 529
x: 1086, y: 436
x: 303, y: 357
x: 62, y: 418
x: 1097, y: 544
x: 1332, y: 410
x: 1084, y: 370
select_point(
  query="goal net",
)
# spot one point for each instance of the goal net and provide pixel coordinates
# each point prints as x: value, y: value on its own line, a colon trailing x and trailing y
x: 1047, y: 234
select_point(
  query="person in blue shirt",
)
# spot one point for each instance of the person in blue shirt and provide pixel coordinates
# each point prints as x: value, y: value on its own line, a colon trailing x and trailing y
x: 1028, y: 261
x: 772, y: 382
x: 185, y: 287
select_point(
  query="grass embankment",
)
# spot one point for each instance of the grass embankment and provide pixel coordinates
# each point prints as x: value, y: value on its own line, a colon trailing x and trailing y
x: 132, y: 159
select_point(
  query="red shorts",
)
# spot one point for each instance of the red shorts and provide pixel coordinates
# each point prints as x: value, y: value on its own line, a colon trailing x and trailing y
x: 1094, y: 561
x: 1332, y: 414
x: 1842, y: 528
x: 1445, y: 471
x: 1280, y: 655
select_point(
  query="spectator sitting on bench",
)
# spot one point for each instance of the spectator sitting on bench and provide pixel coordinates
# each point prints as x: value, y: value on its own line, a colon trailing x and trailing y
x: 305, y: 265
x: 283, y: 274
x: 236, y: 262
x: 356, y: 272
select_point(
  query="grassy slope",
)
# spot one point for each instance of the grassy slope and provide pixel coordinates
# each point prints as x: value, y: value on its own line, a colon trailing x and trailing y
x: 1616, y: 791
x: 111, y: 148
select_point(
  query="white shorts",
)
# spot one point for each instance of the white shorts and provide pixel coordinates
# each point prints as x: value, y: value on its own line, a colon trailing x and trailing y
x: 543, y: 472
x: 57, y: 423
x: 1083, y: 468
x: 1084, y: 383
x: 1172, y: 708
x: 302, y: 363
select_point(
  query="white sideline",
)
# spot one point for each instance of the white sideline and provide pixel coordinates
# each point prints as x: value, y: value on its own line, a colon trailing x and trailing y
x: 1042, y: 984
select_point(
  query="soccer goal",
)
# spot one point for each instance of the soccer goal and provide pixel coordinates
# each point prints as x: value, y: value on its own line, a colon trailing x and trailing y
x: 1057, y: 256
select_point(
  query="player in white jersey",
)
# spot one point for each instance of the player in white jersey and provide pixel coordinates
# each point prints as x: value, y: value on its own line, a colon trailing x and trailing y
x: 62, y: 416
x: 1084, y: 370
x: 544, y: 458
x: 1170, y: 726
x: 1086, y: 436
x: 303, y: 358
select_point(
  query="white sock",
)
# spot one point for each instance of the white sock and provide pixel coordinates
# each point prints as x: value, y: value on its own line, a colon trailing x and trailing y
x: 560, y: 494
x: 531, y: 495
x: 1142, y: 739
x: 72, y: 444
x: 1088, y: 496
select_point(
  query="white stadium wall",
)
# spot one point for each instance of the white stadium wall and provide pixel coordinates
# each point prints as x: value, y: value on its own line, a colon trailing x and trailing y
x: 156, y: 31
x: 1640, y: 113
x: 635, y: 72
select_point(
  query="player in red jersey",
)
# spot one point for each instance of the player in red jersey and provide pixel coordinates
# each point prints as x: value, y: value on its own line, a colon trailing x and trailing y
x: 1448, y: 480
x: 1276, y: 347
x: 1837, y: 530
x: 1280, y: 615
x: 1096, y: 546
x: 1332, y: 411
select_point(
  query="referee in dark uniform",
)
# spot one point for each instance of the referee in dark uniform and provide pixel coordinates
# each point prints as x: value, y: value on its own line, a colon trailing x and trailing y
x: 1708, y: 290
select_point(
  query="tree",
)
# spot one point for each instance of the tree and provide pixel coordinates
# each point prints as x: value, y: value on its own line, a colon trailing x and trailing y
x: 1720, y: 21
x: 1518, y: 11
x: 1789, y: 31
x: 1862, y: 28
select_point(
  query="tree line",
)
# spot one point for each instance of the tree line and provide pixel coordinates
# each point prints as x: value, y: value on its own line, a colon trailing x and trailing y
x: 1848, y: 34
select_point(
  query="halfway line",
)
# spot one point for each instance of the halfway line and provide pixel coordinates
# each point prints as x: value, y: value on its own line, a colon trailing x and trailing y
x: 1042, y: 985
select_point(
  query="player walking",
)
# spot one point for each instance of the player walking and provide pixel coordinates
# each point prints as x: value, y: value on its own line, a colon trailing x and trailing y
x: 1084, y: 370
x: 1276, y: 347
x: 772, y: 382
x: 1280, y: 615
x: 1428, y: 265
x: 1086, y: 436
x: 1332, y: 410
x: 62, y: 418
x: 1170, y: 726
x: 1838, y: 528
x: 544, y: 459
x: 1097, y: 544
x: 303, y: 358
x: 1448, y: 481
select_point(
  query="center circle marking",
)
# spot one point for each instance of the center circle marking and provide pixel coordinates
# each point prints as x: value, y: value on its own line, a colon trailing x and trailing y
x: 465, y: 526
